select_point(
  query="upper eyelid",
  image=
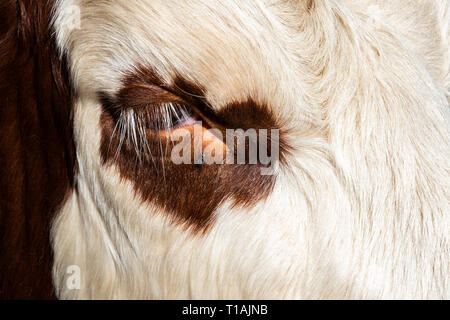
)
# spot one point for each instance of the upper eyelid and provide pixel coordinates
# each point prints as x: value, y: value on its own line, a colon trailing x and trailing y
x: 145, y: 100
x: 143, y: 94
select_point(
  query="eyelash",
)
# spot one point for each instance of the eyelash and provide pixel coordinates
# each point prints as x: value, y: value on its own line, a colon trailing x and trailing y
x: 133, y: 124
x: 165, y: 116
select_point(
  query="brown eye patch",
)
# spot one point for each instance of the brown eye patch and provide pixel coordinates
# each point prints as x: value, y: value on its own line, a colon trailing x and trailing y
x: 189, y: 193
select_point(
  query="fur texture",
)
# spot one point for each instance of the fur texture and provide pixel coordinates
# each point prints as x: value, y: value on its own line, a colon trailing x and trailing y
x: 360, y: 207
x: 36, y: 147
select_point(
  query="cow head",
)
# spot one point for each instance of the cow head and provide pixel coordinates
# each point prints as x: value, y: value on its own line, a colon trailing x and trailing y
x: 240, y: 149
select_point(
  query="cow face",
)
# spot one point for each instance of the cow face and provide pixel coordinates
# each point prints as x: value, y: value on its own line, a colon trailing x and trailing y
x: 141, y: 85
x: 163, y: 208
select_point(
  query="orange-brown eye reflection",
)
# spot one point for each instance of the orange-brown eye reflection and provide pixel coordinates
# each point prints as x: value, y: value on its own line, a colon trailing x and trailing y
x: 197, y: 144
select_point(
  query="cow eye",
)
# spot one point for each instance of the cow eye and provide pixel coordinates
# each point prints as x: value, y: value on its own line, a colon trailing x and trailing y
x: 165, y: 116
x: 148, y: 109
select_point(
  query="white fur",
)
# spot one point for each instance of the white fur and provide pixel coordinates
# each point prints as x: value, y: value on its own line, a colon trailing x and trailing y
x: 360, y: 210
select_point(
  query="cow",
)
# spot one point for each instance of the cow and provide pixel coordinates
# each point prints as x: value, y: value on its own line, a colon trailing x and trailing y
x: 118, y: 180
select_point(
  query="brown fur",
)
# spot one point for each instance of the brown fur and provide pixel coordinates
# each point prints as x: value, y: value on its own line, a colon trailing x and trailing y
x: 36, y: 147
x: 191, y: 193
